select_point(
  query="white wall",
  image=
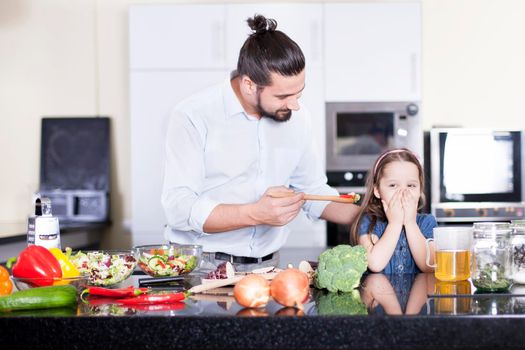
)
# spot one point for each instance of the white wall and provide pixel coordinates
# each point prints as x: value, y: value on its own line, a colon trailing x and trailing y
x: 63, y: 58
x: 473, y: 63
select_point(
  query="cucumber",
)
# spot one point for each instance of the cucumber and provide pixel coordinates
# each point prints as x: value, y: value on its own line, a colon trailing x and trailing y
x: 153, y: 262
x: 39, y: 298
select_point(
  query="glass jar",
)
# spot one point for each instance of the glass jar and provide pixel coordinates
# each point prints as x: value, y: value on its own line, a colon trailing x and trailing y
x: 518, y: 251
x: 491, y: 256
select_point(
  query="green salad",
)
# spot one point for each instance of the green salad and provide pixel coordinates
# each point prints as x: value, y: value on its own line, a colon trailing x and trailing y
x: 104, y: 268
x: 166, y: 262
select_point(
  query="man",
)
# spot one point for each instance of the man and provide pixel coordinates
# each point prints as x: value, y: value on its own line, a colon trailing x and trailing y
x: 233, y: 145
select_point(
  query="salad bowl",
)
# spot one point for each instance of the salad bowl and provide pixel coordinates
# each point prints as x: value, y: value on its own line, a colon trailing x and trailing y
x: 168, y: 260
x: 105, y: 267
x: 79, y: 282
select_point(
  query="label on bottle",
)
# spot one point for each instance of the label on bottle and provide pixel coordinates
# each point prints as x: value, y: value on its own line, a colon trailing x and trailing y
x: 31, y: 230
x: 47, y: 232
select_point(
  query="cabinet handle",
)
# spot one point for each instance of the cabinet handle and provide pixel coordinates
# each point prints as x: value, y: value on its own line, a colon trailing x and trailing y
x: 413, y: 72
x: 314, y: 37
x: 218, y: 44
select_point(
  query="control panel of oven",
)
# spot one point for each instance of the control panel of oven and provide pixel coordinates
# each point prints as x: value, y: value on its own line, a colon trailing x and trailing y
x: 351, y: 178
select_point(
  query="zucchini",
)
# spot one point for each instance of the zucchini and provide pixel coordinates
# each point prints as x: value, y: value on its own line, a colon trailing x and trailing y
x: 39, y: 298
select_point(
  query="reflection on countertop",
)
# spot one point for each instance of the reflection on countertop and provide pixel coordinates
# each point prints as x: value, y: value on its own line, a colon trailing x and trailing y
x: 379, y: 295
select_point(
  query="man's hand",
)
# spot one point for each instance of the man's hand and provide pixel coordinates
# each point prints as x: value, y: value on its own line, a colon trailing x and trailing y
x: 277, y: 211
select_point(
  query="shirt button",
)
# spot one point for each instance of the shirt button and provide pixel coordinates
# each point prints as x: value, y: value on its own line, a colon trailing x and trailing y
x: 400, y: 267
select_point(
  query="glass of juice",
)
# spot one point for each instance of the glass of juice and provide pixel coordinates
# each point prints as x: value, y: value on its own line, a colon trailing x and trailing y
x: 452, y: 252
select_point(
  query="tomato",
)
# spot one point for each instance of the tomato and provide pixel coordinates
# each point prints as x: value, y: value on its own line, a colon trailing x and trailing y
x: 6, y: 286
x: 4, y: 274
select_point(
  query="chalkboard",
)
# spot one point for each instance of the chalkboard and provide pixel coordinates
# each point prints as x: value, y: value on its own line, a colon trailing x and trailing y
x: 75, y: 154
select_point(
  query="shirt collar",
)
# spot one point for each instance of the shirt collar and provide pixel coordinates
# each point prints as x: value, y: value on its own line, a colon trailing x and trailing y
x: 232, y: 105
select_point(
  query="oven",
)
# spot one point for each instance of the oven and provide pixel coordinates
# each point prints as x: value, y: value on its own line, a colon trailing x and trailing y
x: 477, y: 175
x: 356, y: 134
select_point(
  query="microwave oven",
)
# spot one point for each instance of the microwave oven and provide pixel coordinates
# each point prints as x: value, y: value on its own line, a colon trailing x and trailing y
x: 358, y: 132
x: 477, y: 174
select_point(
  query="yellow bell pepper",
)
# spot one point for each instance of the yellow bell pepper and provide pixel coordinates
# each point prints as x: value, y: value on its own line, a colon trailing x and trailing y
x: 68, y: 269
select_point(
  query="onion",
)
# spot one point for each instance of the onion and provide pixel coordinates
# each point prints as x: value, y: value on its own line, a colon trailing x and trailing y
x: 290, y: 288
x: 252, y: 291
x: 289, y: 311
x: 252, y: 312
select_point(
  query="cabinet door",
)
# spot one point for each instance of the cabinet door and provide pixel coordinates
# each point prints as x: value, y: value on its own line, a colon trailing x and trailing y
x: 301, y: 22
x: 373, y: 51
x: 152, y: 96
x: 176, y: 36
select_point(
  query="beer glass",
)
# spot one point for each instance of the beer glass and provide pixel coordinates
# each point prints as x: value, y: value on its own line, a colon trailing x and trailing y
x: 452, y: 253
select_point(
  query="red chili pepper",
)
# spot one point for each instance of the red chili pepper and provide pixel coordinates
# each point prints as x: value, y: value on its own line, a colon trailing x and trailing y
x: 115, y: 293
x: 38, y: 265
x: 153, y: 299
x: 158, y: 307
x: 96, y: 301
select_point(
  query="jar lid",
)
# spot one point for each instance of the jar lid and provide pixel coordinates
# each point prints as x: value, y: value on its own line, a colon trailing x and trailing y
x: 491, y: 229
x: 518, y: 227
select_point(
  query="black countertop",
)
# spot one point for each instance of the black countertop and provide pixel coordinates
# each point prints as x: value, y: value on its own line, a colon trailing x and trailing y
x: 387, y: 312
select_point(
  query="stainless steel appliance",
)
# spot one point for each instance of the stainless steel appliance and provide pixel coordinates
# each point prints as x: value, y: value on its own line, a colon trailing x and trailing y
x: 477, y: 174
x: 356, y: 134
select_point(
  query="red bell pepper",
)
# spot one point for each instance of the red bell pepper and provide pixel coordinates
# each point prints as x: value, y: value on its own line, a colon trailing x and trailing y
x: 37, y: 265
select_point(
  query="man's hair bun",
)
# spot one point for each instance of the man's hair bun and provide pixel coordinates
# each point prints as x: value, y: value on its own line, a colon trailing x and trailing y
x: 260, y: 24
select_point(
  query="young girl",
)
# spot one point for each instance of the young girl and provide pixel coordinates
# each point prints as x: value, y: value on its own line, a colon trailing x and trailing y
x: 388, y: 225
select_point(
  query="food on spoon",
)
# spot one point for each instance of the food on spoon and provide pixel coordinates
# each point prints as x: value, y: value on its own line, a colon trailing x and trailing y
x: 341, y: 268
x: 352, y: 195
x: 252, y: 291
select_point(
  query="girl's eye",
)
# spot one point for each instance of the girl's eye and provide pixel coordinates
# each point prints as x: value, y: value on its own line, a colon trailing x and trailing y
x: 392, y: 185
x: 412, y: 185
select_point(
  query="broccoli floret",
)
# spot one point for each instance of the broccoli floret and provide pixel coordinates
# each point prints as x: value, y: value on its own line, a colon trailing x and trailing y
x: 329, y: 303
x: 341, y: 268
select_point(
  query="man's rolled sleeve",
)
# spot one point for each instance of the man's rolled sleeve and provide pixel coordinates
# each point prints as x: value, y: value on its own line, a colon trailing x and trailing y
x: 200, y: 212
x: 314, y: 209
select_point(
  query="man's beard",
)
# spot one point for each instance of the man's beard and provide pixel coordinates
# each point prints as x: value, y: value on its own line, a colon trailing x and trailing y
x: 280, y: 115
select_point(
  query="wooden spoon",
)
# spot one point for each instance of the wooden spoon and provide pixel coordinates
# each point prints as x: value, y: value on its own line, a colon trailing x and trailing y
x: 343, y: 198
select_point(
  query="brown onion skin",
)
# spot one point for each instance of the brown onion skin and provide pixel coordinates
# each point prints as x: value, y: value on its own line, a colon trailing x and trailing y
x: 250, y: 312
x: 252, y: 291
x: 291, y: 287
x: 289, y: 311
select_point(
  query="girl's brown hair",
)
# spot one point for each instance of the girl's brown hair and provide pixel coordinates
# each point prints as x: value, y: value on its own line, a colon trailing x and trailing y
x: 371, y: 205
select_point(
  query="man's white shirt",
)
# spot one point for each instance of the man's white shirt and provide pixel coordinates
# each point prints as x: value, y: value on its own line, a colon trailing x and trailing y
x: 217, y: 154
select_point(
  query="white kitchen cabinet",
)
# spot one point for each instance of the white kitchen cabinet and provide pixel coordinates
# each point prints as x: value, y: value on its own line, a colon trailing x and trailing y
x: 301, y: 22
x: 372, y: 51
x: 152, y: 96
x: 166, y: 36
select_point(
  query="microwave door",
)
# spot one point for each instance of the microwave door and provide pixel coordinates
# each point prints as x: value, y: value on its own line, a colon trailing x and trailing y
x: 366, y: 134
